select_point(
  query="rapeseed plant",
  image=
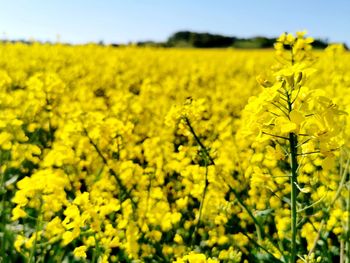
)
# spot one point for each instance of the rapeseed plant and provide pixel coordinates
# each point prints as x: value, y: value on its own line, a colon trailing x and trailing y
x: 168, y: 155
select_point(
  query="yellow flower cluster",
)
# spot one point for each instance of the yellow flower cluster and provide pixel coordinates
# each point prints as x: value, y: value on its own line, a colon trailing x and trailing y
x: 294, y: 125
x: 167, y: 155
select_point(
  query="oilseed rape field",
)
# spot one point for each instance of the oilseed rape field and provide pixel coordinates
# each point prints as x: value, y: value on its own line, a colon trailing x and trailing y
x: 129, y: 154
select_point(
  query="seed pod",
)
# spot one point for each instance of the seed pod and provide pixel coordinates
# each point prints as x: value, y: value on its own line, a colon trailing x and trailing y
x: 299, y: 77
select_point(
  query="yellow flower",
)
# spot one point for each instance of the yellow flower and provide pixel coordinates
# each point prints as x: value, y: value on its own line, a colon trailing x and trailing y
x: 20, y: 240
x: 80, y: 252
x: 17, y: 213
x: 178, y: 239
x: 195, y: 258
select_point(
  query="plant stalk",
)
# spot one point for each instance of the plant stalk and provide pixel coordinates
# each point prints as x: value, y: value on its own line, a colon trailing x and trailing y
x: 347, y: 244
x: 293, y: 196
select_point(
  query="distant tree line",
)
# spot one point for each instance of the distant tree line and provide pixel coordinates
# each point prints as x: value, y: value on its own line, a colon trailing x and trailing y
x: 199, y: 40
x: 207, y: 40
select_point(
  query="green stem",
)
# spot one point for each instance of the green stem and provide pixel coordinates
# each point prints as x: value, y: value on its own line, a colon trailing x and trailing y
x: 293, y: 181
x: 37, y: 226
x: 206, y: 183
x: 240, y: 201
x: 347, y: 249
x: 259, y: 227
x: 335, y: 198
x: 124, y: 192
x: 273, y: 258
x: 96, y: 253
x: 293, y: 143
x: 3, y: 211
x: 205, y: 151
x: 207, y: 160
x: 3, y: 217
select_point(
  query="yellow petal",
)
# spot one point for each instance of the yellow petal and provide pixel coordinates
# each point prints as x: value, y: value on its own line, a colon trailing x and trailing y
x: 328, y: 162
x: 296, y: 117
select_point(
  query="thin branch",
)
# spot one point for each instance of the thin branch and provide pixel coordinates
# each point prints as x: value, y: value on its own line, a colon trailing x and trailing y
x: 213, y: 163
x: 277, y: 136
x: 331, y: 150
x: 302, y: 221
x: 274, y: 113
x: 259, y: 227
x: 263, y: 248
x: 313, y: 204
x: 302, y: 143
x: 122, y: 187
x: 278, y: 107
x: 198, y: 140
x: 304, y: 134
x: 309, y: 115
x: 300, y: 257
x: 283, y: 106
x: 283, y: 95
x: 301, y: 164
x: 296, y: 96
x: 201, y: 203
x: 302, y: 154
x: 337, y: 194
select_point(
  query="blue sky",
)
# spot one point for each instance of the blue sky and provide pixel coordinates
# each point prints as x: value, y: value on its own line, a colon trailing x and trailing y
x: 121, y: 21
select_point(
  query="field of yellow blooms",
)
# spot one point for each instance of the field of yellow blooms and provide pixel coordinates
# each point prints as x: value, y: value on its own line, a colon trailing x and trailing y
x: 174, y: 155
